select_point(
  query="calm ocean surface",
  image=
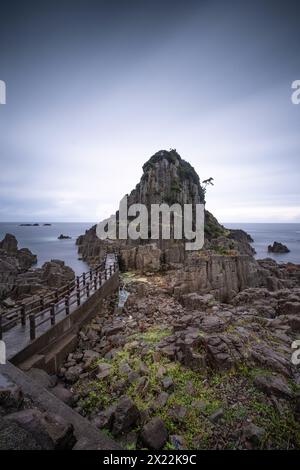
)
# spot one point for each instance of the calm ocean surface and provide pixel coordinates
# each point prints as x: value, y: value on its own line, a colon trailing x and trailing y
x: 43, y: 242
x: 265, y: 234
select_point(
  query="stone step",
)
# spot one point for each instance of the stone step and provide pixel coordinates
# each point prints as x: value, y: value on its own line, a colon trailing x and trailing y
x: 37, y: 360
x: 57, y: 354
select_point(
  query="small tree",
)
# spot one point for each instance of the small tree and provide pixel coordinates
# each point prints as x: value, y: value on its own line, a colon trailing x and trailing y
x: 208, y: 182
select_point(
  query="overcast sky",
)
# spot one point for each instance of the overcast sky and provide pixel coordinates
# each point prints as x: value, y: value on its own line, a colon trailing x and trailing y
x: 94, y: 88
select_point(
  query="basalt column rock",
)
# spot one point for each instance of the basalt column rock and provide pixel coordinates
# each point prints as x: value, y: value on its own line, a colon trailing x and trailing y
x: 169, y: 179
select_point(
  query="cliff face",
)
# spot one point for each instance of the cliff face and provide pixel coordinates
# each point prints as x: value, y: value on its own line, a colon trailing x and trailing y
x: 167, y: 178
x: 170, y: 179
x: 224, y: 266
x: 12, y: 263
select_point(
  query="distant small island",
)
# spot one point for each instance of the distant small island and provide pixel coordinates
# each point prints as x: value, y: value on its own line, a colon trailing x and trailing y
x: 64, y: 237
x: 34, y: 225
x: 278, y: 247
x: 29, y: 225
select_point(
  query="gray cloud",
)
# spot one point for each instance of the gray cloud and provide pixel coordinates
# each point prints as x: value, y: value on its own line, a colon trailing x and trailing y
x: 94, y: 89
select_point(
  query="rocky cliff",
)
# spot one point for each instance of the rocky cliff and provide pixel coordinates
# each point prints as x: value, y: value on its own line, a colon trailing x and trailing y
x: 19, y: 281
x: 12, y: 262
x: 167, y: 178
x: 225, y: 264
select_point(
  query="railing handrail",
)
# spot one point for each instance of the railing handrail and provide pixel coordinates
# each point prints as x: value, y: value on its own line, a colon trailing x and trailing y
x: 50, y: 294
x: 80, y: 289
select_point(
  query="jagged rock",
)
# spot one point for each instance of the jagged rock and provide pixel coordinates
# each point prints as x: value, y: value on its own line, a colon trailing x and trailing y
x: 273, y: 385
x: 216, y: 416
x: 271, y: 359
x: 48, y: 430
x: 167, y: 178
x: 73, y: 374
x: 9, y: 244
x: 219, y: 275
x: 14, y: 437
x: 253, y: 434
x: 63, y: 394
x: 125, y: 417
x: 168, y: 383
x: 178, y: 442
x: 129, y: 440
x: 105, y: 418
x: 56, y: 274
x: 224, y: 351
x: 42, y: 377
x: 278, y: 248
x: 12, y: 263
x: 178, y: 413
x: 11, y: 395
x: 144, y: 258
x: 125, y: 368
x: 195, y: 301
x: 154, y: 434
x: 160, y: 401
x: 103, y: 370
x: 63, y: 237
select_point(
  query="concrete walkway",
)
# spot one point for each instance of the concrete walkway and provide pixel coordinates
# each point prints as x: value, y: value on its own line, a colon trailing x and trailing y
x: 88, y: 437
x: 18, y: 337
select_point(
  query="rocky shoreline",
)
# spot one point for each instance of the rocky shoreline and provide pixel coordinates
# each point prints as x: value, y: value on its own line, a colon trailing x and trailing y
x: 200, y: 356
x: 21, y: 282
x: 191, y: 373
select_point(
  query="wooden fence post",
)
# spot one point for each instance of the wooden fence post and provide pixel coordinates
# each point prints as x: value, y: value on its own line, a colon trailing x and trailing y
x: 78, y: 296
x: 87, y: 289
x: 23, y: 315
x: 32, y: 326
x: 83, y: 279
x: 67, y: 305
x: 52, y: 314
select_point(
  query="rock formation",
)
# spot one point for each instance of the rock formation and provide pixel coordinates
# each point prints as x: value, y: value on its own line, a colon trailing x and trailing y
x: 190, y: 370
x: 224, y: 266
x: 278, y: 247
x: 19, y: 281
x: 63, y: 237
x: 12, y: 263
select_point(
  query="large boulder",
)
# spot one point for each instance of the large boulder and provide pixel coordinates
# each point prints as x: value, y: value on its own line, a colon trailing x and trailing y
x: 56, y: 274
x: 126, y: 416
x: 11, y: 395
x: 48, y: 430
x: 143, y: 258
x: 278, y: 247
x: 9, y: 244
x: 12, y: 263
x: 154, y: 434
x: 273, y: 385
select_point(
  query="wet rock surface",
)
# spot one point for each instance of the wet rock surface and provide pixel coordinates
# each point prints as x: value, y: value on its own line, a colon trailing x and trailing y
x: 278, y: 247
x: 190, y: 371
x: 25, y: 427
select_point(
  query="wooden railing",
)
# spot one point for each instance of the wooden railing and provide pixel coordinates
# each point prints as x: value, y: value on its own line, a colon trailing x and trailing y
x: 47, y: 308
